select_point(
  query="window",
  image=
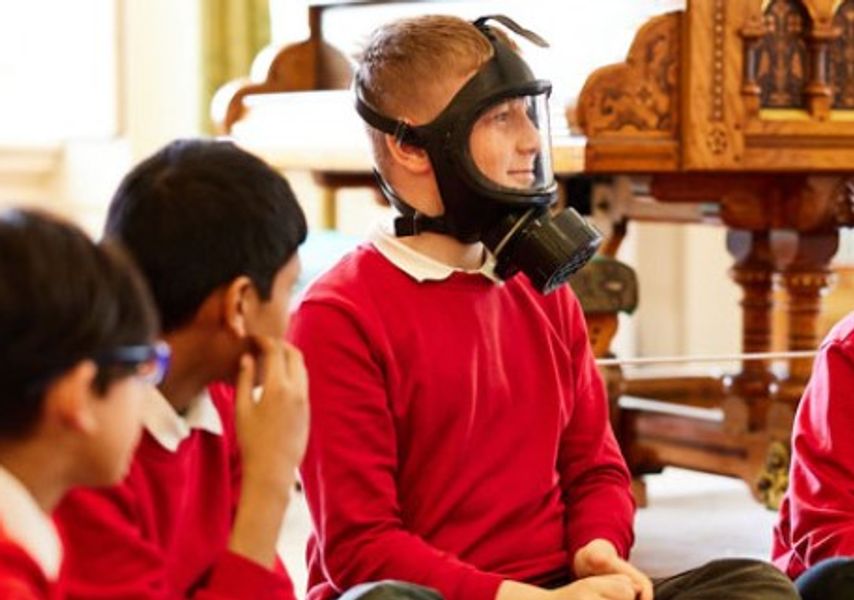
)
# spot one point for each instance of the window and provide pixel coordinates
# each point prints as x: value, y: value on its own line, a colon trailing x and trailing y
x: 58, y: 71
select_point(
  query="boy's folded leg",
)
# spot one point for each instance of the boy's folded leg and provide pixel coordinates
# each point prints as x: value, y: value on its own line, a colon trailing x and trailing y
x: 732, y: 579
x: 390, y: 589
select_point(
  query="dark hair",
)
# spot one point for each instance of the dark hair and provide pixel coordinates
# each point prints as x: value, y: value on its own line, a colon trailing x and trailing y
x: 199, y: 213
x: 63, y: 299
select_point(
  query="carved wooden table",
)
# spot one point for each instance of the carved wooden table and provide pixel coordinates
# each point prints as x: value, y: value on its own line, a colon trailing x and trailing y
x: 747, y: 104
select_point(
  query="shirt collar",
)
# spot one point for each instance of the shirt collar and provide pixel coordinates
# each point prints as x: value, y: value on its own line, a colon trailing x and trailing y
x: 417, y: 265
x: 24, y: 522
x: 169, y: 428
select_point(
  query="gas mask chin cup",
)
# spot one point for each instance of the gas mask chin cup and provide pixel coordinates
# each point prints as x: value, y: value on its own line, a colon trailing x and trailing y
x: 490, y: 149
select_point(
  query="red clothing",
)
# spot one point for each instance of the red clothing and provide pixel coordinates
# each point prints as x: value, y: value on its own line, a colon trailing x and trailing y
x: 163, y: 532
x: 21, y: 578
x: 817, y: 515
x: 459, y: 432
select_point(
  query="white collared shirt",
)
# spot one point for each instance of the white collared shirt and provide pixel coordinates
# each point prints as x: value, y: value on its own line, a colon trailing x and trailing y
x: 26, y: 524
x: 420, y: 266
x: 169, y: 428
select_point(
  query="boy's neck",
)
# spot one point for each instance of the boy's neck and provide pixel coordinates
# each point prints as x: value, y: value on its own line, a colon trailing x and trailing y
x: 447, y: 250
x: 181, y: 393
x: 191, y: 369
x: 40, y: 470
x: 422, y: 194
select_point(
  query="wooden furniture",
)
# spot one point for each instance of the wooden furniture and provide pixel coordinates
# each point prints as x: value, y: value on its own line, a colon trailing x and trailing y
x: 309, y: 65
x: 747, y: 104
x: 744, y: 104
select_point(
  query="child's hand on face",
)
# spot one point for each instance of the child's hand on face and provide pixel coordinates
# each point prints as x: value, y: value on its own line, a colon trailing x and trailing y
x: 597, y: 587
x: 599, y: 557
x: 273, y: 430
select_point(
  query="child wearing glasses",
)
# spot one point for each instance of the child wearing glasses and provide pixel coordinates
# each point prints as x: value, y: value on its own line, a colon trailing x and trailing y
x: 215, y: 232
x: 77, y: 327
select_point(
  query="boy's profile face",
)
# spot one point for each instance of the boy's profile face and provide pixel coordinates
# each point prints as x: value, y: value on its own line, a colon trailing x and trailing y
x: 504, y: 144
x: 118, y: 420
x: 270, y: 317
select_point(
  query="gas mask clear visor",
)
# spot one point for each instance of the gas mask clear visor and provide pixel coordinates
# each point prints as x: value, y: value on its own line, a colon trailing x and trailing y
x: 509, y: 146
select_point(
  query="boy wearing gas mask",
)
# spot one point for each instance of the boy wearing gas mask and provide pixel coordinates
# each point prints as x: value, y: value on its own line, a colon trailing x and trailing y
x: 460, y: 435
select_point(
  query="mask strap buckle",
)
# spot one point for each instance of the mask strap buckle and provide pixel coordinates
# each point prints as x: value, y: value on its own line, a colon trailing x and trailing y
x: 406, y: 225
x: 403, y: 133
x: 512, y: 26
x: 410, y: 222
x: 415, y: 223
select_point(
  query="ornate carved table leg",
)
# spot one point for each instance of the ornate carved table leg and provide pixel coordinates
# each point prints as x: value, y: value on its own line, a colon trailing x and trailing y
x: 805, y: 275
x: 803, y: 259
x: 748, y: 392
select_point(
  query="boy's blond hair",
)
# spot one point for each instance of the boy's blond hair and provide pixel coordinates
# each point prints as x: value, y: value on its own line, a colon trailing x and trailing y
x: 407, y: 64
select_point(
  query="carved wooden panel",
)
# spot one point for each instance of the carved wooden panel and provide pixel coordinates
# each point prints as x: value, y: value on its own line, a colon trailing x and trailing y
x: 844, y: 203
x: 754, y: 92
x: 641, y: 94
x: 781, y: 55
x: 842, y: 57
x: 638, y: 100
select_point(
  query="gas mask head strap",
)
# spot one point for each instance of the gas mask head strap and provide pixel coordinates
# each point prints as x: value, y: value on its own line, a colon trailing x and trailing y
x: 410, y: 221
x: 403, y: 132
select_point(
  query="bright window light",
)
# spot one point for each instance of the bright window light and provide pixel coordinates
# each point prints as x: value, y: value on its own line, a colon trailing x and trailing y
x: 58, y: 70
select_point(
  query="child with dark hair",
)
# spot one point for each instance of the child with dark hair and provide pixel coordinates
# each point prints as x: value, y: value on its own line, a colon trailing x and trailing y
x: 77, y: 327
x: 215, y: 232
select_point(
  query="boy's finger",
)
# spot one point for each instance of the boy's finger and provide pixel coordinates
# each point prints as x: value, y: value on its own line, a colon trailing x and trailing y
x: 641, y: 583
x: 295, y: 365
x: 646, y: 592
x: 605, y: 564
x: 245, y: 383
x: 272, y: 355
x: 616, y: 587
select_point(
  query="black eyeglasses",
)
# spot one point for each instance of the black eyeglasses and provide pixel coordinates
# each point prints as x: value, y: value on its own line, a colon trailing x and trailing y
x: 149, y: 361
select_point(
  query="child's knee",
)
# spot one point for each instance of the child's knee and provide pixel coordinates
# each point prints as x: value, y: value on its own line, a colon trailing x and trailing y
x: 390, y: 590
x: 832, y: 579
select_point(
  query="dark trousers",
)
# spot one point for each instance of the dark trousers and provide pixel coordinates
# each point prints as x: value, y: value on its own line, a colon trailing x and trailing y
x: 390, y: 590
x: 831, y: 579
x: 726, y: 579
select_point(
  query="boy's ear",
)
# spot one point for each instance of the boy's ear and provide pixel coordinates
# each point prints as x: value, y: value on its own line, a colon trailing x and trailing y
x: 238, y: 300
x: 411, y: 158
x: 68, y: 400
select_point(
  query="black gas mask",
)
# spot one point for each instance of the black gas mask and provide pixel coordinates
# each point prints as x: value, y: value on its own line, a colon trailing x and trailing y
x: 490, y: 149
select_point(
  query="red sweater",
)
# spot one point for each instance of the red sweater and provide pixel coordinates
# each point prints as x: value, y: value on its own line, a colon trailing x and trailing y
x: 460, y: 432
x: 20, y: 576
x: 817, y: 515
x: 163, y: 532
